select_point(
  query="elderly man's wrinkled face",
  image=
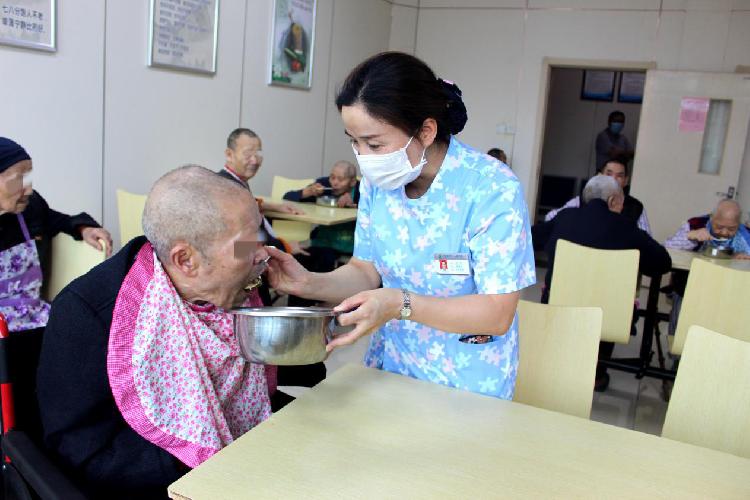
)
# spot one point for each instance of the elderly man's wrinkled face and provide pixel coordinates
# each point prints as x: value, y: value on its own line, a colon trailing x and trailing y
x: 341, y: 182
x: 14, y: 191
x: 233, y: 261
x: 723, y: 226
x: 246, y: 157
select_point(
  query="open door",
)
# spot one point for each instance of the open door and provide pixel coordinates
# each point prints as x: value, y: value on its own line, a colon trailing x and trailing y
x: 691, y: 143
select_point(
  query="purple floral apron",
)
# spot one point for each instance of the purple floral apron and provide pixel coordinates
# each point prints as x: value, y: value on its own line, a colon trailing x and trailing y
x: 20, y: 285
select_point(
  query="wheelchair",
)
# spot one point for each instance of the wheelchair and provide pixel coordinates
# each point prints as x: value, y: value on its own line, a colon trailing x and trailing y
x: 27, y: 470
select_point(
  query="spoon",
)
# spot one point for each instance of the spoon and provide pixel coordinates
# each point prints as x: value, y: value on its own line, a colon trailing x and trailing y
x: 257, y: 281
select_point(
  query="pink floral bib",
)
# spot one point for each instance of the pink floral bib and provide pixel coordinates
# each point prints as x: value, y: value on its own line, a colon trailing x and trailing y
x: 175, y: 369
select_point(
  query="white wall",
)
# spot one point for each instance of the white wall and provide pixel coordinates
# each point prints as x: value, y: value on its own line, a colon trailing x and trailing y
x: 570, y: 150
x: 52, y: 105
x: 95, y: 118
x: 495, y: 50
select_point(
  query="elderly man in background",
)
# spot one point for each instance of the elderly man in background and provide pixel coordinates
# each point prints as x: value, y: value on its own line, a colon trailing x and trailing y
x: 140, y: 374
x: 722, y: 227
x: 598, y: 223
x: 341, y: 183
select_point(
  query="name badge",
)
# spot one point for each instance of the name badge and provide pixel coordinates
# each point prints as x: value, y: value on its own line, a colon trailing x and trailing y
x: 451, y: 263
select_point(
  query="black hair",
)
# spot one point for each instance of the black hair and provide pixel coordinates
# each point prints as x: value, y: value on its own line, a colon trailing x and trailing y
x: 496, y: 152
x: 403, y: 91
x: 236, y: 133
x: 614, y: 115
x: 616, y: 159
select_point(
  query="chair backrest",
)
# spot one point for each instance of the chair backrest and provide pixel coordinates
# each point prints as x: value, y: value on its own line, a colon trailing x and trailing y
x: 715, y: 298
x: 589, y: 277
x: 281, y: 185
x: 130, y: 210
x: 286, y: 229
x: 70, y: 259
x: 558, y: 348
x: 710, y: 403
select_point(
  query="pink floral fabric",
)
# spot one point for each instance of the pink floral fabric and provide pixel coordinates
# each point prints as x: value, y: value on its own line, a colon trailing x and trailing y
x: 176, y: 370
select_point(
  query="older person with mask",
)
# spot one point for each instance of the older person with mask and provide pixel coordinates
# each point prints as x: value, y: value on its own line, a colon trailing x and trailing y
x: 598, y: 223
x: 140, y: 374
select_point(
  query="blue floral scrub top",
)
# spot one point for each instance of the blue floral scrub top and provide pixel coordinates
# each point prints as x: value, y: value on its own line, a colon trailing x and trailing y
x: 475, y: 208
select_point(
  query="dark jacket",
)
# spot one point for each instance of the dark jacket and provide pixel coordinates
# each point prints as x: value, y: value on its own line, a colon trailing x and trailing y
x: 81, y: 421
x: 594, y: 225
x: 325, y: 182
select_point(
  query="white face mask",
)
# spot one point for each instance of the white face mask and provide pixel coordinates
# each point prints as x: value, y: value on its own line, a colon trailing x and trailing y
x: 391, y: 170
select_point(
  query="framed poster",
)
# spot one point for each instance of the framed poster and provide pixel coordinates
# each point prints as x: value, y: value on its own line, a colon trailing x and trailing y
x: 29, y: 23
x: 598, y: 85
x: 183, y: 35
x: 292, y: 42
x: 631, y: 86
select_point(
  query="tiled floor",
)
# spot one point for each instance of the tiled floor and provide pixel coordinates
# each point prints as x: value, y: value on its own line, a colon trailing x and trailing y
x: 628, y: 402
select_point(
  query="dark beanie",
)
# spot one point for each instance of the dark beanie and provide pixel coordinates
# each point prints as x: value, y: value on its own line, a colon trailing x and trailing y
x: 11, y: 153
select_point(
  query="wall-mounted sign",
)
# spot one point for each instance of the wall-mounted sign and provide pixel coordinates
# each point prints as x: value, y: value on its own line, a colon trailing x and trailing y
x: 693, y: 113
x: 598, y: 85
x: 292, y: 42
x: 183, y: 34
x: 28, y: 23
x: 631, y: 86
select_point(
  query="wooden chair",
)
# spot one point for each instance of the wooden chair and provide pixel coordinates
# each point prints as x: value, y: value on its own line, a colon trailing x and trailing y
x: 715, y: 298
x: 130, y: 210
x: 710, y: 404
x: 589, y: 277
x: 287, y: 229
x: 557, y: 356
x: 70, y: 259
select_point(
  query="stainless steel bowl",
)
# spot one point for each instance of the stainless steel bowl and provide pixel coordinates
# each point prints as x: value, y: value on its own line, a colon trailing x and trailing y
x: 717, y: 252
x: 284, y: 335
x: 326, y: 201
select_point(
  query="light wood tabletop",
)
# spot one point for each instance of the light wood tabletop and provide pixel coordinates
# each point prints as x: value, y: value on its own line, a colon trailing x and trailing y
x: 681, y: 259
x: 314, y: 214
x: 365, y: 433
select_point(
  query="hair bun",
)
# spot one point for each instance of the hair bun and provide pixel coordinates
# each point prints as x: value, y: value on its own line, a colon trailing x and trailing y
x: 456, y: 110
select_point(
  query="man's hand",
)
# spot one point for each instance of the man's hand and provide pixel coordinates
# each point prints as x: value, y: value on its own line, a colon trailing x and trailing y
x: 94, y: 235
x: 699, y: 235
x: 345, y: 200
x: 313, y: 190
x: 290, y: 209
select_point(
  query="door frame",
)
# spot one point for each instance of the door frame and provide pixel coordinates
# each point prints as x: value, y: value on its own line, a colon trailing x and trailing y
x: 557, y: 62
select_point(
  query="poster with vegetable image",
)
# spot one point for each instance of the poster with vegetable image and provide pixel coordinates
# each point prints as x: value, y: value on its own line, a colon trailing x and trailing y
x: 293, y: 38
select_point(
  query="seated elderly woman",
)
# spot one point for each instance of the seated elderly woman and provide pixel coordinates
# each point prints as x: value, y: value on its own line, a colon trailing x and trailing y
x: 140, y: 374
x: 27, y: 224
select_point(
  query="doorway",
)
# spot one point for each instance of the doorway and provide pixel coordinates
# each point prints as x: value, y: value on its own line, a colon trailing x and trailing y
x: 575, y: 114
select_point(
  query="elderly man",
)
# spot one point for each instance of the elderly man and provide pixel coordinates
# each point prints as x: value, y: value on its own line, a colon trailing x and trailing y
x: 632, y: 208
x: 723, y: 226
x: 599, y: 224
x: 140, y: 374
x: 341, y: 183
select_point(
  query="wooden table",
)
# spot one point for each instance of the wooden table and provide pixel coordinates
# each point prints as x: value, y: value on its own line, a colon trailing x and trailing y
x: 314, y: 214
x: 681, y: 259
x: 364, y: 433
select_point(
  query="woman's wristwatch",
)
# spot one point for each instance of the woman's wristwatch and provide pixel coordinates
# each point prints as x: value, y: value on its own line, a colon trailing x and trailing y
x: 406, y: 307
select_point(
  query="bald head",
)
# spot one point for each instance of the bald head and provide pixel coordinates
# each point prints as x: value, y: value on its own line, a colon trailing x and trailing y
x: 345, y: 169
x: 194, y: 205
x: 725, y: 220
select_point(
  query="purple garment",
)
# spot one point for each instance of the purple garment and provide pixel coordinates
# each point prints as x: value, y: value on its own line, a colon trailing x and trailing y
x: 20, y: 285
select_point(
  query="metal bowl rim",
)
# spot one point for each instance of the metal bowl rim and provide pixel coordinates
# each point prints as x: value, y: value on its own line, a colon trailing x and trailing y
x: 284, y: 312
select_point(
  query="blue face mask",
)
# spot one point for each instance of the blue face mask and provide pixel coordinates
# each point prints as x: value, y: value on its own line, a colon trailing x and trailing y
x: 616, y: 127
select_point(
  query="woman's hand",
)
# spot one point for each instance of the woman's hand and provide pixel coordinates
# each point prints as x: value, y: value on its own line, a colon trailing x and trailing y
x: 285, y: 274
x: 93, y: 235
x: 369, y: 310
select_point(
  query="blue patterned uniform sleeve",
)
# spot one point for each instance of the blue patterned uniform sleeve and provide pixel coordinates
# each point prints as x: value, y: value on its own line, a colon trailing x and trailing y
x: 362, y: 233
x: 500, y: 238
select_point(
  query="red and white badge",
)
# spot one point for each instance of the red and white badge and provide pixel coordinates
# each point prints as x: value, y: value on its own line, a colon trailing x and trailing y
x: 451, y: 263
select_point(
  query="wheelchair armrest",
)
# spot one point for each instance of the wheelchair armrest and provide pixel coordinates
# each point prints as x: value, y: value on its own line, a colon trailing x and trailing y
x: 44, y: 477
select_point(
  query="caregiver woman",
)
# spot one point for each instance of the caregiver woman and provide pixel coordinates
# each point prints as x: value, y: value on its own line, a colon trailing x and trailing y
x: 443, y: 227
